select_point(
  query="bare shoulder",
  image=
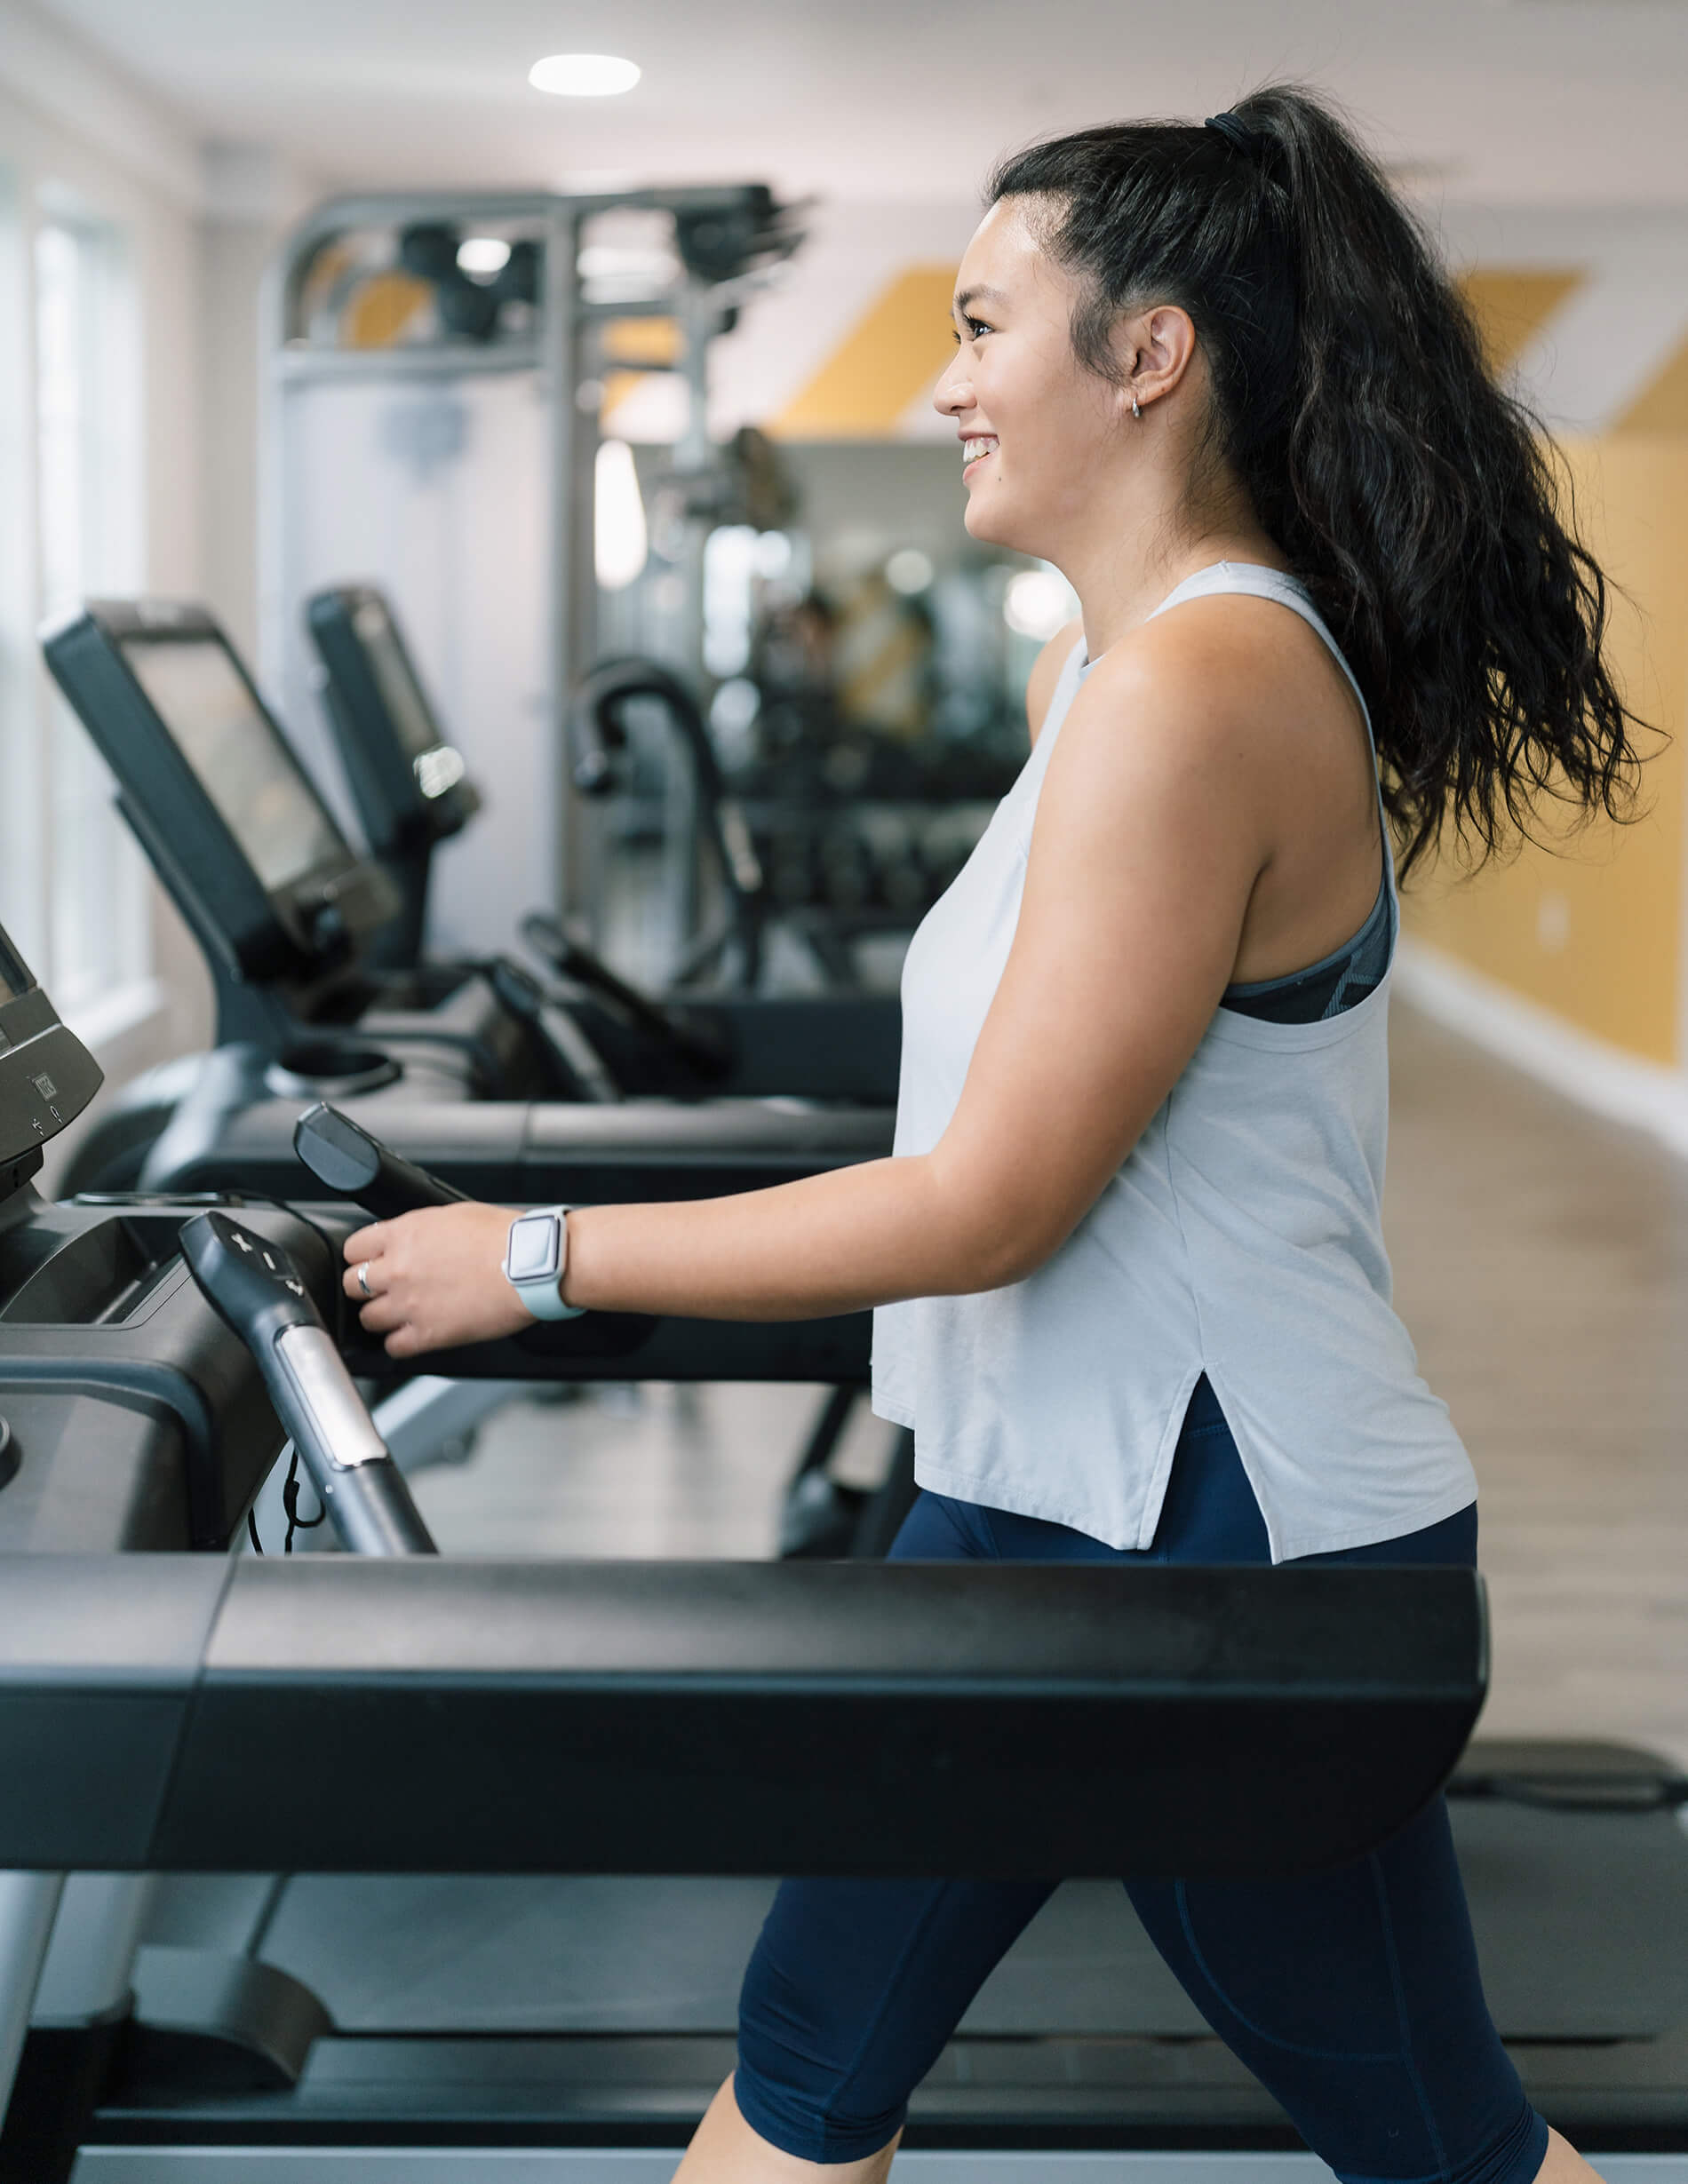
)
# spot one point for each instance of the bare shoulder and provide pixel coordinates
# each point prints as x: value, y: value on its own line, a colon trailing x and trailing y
x: 1231, y: 679
x: 1203, y: 737
x: 1046, y: 672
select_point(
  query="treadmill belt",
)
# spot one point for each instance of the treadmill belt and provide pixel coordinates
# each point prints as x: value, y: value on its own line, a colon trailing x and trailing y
x: 1581, y: 1920
x: 589, y: 1954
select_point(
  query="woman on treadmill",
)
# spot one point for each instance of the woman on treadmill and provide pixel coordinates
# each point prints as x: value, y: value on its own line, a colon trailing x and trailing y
x: 1130, y: 1282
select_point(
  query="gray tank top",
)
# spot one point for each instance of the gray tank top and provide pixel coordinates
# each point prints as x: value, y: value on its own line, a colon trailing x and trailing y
x: 1242, y: 1238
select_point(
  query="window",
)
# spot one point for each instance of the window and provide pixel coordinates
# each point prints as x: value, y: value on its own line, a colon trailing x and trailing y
x: 73, y: 893
x: 88, y: 525
x: 20, y: 796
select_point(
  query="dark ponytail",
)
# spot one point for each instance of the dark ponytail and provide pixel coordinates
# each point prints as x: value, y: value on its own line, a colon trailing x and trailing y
x: 1414, y: 498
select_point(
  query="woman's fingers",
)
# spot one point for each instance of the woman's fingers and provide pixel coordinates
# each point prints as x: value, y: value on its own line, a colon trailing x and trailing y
x: 362, y: 1248
x: 382, y: 1316
x: 433, y: 1279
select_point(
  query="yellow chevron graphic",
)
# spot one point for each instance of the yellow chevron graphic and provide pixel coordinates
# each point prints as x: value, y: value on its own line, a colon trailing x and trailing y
x: 1511, y: 303
x: 891, y: 354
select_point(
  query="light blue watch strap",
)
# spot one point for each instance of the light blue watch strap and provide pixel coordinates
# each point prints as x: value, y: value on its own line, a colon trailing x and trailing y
x: 536, y: 1257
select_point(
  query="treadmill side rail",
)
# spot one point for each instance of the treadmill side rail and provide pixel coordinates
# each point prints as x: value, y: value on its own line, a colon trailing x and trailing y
x: 667, y: 1717
x: 100, y: 1656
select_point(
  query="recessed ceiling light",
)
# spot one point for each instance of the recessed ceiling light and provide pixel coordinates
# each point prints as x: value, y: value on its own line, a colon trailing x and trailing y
x: 584, y: 75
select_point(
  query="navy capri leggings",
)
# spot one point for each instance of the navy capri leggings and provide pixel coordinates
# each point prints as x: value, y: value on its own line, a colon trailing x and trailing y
x: 1353, y: 1996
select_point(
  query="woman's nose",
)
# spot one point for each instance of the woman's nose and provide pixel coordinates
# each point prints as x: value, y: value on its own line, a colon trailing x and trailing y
x: 952, y: 394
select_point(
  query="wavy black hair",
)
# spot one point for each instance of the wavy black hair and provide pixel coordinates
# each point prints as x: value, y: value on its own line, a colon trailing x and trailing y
x: 1418, y: 500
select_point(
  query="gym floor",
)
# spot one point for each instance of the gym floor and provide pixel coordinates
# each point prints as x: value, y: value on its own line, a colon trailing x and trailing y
x: 1541, y: 1264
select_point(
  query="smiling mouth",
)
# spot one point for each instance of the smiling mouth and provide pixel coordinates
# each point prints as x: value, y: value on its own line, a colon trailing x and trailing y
x: 973, y: 450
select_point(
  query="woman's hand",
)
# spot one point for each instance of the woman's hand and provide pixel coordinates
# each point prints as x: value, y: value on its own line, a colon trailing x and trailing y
x: 434, y: 1278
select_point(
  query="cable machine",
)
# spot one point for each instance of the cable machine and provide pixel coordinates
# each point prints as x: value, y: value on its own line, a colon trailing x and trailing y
x: 439, y: 372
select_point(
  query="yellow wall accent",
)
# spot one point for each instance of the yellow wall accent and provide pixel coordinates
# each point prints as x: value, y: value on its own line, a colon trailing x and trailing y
x: 902, y: 341
x: 1596, y: 934
x: 641, y: 341
x: 327, y: 269
x: 647, y: 344
x: 891, y: 354
x: 1662, y: 406
x: 380, y: 310
x: 617, y: 386
x: 1512, y: 302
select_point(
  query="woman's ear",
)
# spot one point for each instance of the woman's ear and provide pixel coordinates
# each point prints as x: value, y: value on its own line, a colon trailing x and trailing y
x: 1156, y: 348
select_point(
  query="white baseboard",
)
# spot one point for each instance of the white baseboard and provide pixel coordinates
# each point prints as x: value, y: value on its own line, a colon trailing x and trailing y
x: 1645, y: 1095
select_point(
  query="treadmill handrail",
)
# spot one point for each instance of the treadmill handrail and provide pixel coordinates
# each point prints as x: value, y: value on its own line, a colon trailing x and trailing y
x: 175, y: 1713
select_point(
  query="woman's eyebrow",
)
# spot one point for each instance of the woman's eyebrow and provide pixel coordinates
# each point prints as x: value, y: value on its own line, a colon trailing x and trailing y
x: 968, y: 296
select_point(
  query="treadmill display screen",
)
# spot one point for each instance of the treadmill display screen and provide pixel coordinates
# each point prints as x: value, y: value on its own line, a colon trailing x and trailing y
x: 395, y: 678
x: 246, y: 770
x: 15, y: 976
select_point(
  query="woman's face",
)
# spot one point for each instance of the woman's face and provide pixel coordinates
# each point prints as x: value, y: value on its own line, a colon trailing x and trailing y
x: 1040, y: 432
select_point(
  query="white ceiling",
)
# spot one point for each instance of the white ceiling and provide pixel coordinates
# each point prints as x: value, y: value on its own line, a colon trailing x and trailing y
x: 1507, y: 102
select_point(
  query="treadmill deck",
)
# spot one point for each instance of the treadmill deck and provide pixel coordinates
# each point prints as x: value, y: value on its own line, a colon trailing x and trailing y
x: 603, y: 2011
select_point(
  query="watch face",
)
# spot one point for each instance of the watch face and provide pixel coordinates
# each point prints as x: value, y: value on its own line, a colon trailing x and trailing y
x: 533, y: 1247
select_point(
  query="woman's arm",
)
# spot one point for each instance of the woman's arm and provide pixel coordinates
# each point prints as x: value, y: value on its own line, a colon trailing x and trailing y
x: 1144, y: 853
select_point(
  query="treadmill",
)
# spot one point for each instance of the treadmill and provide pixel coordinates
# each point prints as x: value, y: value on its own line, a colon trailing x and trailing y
x: 575, y: 1727
x: 461, y: 1065
x: 413, y: 793
x: 522, y: 1811
x: 134, y: 1421
x: 282, y: 906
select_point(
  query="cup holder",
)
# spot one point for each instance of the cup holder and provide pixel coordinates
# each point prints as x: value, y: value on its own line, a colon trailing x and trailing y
x: 325, y: 1069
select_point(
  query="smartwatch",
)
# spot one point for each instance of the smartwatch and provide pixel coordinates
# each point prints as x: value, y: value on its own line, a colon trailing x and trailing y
x: 535, y: 1259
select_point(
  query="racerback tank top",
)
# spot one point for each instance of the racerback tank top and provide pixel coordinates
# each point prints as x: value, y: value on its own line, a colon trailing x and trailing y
x: 1241, y: 1238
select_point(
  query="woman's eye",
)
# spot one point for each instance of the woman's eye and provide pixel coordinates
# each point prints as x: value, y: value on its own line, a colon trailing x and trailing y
x: 975, y: 327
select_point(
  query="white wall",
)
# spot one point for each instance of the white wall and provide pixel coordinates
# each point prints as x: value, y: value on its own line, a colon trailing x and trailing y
x: 249, y: 198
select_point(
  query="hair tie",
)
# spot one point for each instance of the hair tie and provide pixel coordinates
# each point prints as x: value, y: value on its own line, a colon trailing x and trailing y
x: 1237, y: 134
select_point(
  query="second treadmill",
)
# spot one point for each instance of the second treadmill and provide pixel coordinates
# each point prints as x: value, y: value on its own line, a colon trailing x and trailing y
x: 463, y: 1076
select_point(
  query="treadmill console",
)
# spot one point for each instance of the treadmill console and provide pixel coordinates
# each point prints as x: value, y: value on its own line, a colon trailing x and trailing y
x: 409, y: 783
x: 47, y: 1076
x: 130, y: 1416
x: 209, y: 784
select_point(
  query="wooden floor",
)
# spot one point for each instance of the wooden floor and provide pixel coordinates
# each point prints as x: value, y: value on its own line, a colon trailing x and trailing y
x: 1541, y: 1266
x: 1541, y: 1263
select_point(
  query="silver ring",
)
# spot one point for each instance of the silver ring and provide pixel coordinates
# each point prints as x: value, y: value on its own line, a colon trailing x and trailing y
x: 364, y: 1279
